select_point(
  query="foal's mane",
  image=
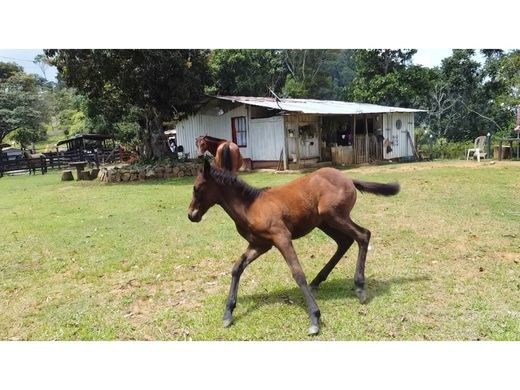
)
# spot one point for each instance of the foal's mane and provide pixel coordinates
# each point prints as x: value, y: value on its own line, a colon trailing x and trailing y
x: 226, y: 178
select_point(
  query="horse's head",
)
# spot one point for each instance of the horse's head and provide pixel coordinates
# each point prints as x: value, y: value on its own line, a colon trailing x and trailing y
x: 201, y: 144
x: 205, y: 194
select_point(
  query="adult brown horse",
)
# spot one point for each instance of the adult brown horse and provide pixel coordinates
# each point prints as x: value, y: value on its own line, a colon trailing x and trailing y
x: 276, y: 216
x: 35, y: 160
x: 227, y: 153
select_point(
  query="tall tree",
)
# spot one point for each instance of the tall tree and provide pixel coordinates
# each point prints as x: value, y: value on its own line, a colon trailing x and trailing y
x: 342, y: 70
x: 21, y: 105
x: 43, y: 63
x: 247, y: 72
x: 8, y: 69
x: 307, y: 74
x: 507, y: 96
x: 376, y: 62
x: 157, y: 84
x: 387, y: 77
x: 461, y: 80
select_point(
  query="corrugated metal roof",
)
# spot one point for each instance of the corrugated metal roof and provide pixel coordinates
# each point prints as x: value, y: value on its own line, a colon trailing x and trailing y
x: 313, y: 106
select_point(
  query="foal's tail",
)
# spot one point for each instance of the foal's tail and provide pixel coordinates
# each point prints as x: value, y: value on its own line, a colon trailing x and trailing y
x: 377, y: 188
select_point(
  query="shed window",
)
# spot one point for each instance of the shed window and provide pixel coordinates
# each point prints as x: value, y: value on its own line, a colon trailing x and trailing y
x: 239, y: 132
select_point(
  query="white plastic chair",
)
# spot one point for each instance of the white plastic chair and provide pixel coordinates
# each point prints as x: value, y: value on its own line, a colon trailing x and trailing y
x: 479, y: 148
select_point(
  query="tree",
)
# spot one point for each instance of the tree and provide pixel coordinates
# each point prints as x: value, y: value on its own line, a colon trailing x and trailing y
x: 43, y: 63
x: 20, y: 104
x: 290, y: 73
x: 342, y: 70
x: 307, y: 76
x: 462, y: 77
x: 158, y: 85
x: 247, y: 72
x: 8, y: 69
x: 376, y: 62
x: 388, y: 77
x: 507, y: 94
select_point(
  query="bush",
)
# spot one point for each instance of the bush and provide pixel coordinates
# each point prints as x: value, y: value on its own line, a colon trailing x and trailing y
x: 444, y: 149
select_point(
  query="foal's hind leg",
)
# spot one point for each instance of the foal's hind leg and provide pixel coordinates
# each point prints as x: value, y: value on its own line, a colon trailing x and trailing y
x: 251, y: 254
x: 362, y: 237
x: 344, y: 242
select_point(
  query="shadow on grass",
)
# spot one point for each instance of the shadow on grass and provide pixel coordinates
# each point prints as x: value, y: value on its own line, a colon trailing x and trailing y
x: 336, y: 289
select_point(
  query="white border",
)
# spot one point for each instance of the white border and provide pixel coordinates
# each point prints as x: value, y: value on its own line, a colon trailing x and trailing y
x: 258, y: 365
x: 260, y: 24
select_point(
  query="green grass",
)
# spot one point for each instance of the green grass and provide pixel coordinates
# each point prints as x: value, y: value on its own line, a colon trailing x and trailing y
x: 90, y: 261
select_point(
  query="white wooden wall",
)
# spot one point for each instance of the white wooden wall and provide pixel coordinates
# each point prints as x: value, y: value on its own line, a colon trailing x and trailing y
x: 266, y: 139
x: 310, y: 146
x: 400, y: 144
x: 216, y: 126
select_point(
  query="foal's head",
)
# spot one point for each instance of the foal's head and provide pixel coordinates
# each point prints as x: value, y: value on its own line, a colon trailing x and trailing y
x: 205, y: 194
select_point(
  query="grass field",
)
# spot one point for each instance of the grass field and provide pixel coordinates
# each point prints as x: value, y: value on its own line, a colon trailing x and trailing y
x: 90, y: 261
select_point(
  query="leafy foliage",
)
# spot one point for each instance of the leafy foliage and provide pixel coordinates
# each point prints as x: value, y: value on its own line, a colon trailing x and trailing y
x: 247, y: 72
x: 464, y: 99
x: 307, y: 76
x: 134, y: 93
x: 386, y: 77
x: 157, y: 84
x: 22, y: 107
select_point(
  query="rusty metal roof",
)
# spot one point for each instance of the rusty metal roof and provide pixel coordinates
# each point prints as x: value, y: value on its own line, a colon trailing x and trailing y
x: 313, y: 106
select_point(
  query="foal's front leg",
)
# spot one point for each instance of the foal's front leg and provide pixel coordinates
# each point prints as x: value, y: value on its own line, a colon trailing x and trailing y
x: 251, y: 254
x: 289, y: 254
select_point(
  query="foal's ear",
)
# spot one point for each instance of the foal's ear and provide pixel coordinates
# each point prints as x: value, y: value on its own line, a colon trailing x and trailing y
x: 206, y: 170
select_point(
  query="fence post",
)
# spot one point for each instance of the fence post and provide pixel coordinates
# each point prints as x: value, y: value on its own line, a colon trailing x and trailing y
x: 43, y: 164
x: 431, y: 147
x: 58, y: 157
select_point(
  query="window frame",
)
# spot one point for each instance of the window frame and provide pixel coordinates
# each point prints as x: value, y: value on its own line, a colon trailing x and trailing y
x: 235, y: 132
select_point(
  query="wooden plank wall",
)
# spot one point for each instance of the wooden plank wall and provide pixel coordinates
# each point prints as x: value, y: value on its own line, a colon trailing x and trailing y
x: 375, y: 149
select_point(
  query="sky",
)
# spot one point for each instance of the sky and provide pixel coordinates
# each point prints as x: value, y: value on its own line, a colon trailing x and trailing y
x: 25, y: 57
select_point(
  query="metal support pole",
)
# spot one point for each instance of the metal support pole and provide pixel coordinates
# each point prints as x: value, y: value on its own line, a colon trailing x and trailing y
x: 488, y: 145
x: 431, y: 146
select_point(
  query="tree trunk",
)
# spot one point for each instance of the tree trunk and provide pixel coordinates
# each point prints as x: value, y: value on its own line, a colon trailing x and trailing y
x: 145, y: 148
x: 154, y: 143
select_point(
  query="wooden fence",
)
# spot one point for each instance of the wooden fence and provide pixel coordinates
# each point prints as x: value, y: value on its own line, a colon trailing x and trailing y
x: 61, y: 160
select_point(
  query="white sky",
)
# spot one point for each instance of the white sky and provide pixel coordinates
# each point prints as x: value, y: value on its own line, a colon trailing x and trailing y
x: 430, y: 57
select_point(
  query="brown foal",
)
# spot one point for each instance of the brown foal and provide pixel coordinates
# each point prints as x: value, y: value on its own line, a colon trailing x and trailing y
x: 276, y: 216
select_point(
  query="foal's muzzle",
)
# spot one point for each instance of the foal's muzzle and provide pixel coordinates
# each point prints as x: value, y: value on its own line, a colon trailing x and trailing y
x: 194, y: 216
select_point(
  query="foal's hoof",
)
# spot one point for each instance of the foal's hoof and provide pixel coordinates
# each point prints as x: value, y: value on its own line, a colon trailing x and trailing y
x: 362, y: 295
x: 227, y: 322
x: 314, y: 330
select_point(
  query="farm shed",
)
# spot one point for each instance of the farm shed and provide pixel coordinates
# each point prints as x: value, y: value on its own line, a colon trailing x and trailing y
x: 88, y: 142
x: 302, y: 132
